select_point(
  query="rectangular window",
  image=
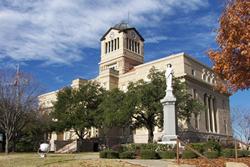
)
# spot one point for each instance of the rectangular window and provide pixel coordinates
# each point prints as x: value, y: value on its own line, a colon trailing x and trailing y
x: 118, y: 43
x: 133, y: 44
x: 194, y: 94
x: 193, y: 72
x: 109, y: 46
x: 127, y: 43
x: 136, y: 47
x: 112, y: 44
x: 115, y: 44
x: 139, y: 48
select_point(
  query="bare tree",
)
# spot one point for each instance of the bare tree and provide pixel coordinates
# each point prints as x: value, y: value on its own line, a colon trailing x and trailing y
x: 241, y: 123
x: 18, y: 97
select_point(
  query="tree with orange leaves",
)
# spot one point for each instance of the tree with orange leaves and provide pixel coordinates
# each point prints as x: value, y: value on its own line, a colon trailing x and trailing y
x: 232, y: 59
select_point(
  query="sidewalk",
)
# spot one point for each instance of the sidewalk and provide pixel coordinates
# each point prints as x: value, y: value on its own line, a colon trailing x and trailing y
x: 155, y: 163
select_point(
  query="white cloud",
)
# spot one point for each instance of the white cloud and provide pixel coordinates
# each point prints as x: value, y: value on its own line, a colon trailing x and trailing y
x: 156, y: 39
x: 55, y: 31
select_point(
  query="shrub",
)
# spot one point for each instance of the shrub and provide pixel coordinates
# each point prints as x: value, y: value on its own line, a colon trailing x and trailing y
x: 211, y: 154
x: 200, y: 147
x: 167, y: 154
x: 230, y: 153
x: 119, y: 148
x: 127, y: 155
x: 247, y: 153
x: 212, y: 145
x: 131, y: 147
x: 103, y: 154
x: 227, y: 153
x: 148, y: 154
x: 243, y: 153
x: 187, y: 154
x: 149, y: 146
x: 112, y: 154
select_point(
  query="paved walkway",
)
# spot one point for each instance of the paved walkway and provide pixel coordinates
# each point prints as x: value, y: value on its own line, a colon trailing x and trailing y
x: 156, y: 163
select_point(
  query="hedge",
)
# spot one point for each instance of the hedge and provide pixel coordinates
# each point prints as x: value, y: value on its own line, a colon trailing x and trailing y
x: 112, y: 154
x: 200, y: 147
x: 127, y: 155
x: 149, y: 146
x: 187, y: 154
x: 212, y: 145
x: 148, y: 154
x: 103, y: 154
x: 211, y: 154
x: 119, y: 148
x: 227, y: 153
x: 246, y: 153
x: 167, y: 154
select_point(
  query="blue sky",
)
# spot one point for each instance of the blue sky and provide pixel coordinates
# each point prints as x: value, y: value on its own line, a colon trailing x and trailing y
x: 59, y: 40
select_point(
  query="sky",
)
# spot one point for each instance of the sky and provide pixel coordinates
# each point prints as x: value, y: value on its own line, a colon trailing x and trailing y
x: 59, y: 40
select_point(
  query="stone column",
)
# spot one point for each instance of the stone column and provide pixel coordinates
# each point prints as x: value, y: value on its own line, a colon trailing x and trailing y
x: 170, y: 120
x: 208, y: 115
x: 212, y: 113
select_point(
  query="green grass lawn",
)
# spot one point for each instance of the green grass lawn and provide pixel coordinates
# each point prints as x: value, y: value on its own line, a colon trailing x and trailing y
x: 58, y: 160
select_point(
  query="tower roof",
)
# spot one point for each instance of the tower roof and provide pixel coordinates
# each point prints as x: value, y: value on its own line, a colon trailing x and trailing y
x: 122, y: 27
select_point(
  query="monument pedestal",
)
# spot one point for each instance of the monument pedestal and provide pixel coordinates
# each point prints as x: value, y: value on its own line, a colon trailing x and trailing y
x: 169, y: 115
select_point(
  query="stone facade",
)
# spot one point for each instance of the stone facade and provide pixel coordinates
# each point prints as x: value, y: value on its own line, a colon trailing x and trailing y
x: 122, y: 61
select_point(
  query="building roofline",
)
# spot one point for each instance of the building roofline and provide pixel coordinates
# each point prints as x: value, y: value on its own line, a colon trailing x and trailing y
x: 197, y: 61
x: 173, y: 56
x: 169, y: 57
x: 161, y: 59
x: 48, y: 93
x: 122, y: 30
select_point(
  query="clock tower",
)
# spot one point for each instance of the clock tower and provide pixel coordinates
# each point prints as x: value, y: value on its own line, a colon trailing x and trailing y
x: 122, y: 48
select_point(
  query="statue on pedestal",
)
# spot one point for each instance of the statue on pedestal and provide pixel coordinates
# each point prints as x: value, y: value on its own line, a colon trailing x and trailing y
x: 169, y: 77
x: 169, y: 115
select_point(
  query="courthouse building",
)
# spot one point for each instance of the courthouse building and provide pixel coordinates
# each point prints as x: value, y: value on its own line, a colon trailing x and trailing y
x: 122, y: 61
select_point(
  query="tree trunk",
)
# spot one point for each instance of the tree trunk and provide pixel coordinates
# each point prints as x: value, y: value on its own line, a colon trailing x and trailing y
x: 150, y: 135
x: 6, y: 143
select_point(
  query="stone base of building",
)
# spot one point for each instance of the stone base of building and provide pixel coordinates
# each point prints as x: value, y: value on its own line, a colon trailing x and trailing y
x: 194, y: 136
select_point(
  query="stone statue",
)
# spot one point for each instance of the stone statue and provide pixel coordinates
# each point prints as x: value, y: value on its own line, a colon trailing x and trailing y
x: 169, y: 77
x: 169, y: 115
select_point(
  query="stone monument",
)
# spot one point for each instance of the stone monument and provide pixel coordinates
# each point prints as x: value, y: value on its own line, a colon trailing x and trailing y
x: 169, y: 115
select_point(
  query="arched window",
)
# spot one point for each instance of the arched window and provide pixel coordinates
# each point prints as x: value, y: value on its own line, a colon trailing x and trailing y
x: 203, y: 75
